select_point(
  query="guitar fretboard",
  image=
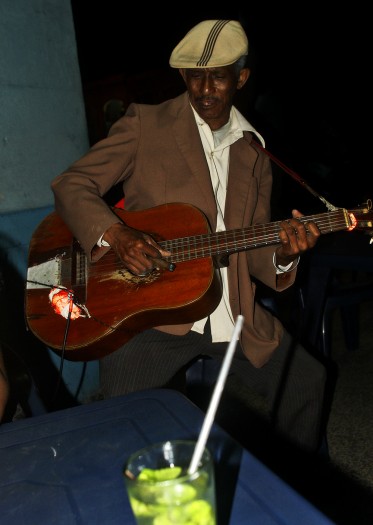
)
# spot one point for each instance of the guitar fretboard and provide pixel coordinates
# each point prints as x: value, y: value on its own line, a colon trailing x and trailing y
x: 242, y: 239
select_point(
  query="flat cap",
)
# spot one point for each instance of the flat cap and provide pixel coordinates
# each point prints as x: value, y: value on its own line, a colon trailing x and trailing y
x: 211, y: 43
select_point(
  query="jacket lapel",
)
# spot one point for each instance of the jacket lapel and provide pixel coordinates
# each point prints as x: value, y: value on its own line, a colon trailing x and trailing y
x: 240, y: 180
x: 190, y: 147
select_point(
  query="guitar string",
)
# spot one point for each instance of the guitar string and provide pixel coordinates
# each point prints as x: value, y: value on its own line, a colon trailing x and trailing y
x: 203, y: 245
x: 187, y: 248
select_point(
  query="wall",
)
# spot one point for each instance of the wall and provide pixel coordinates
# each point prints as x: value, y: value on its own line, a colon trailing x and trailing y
x: 42, y: 119
x: 42, y: 130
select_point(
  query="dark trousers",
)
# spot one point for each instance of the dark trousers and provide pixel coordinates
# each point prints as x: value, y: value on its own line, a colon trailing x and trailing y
x: 292, y: 382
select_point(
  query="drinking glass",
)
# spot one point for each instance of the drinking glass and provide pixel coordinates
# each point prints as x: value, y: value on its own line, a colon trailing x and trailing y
x: 161, y: 491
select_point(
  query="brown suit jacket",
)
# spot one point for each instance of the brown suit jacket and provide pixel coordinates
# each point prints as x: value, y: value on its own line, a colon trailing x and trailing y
x: 156, y: 152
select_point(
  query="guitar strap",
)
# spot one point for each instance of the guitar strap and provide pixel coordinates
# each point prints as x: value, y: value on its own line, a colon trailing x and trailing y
x: 296, y: 177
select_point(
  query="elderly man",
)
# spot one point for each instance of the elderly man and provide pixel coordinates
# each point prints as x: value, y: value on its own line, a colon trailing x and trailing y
x: 199, y: 149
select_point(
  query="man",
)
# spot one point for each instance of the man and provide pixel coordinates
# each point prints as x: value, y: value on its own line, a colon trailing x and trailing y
x: 198, y: 149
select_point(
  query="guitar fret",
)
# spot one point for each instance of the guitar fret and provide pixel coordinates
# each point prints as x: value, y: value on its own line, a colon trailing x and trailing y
x: 224, y: 235
x: 194, y: 251
x: 235, y: 239
x: 209, y: 250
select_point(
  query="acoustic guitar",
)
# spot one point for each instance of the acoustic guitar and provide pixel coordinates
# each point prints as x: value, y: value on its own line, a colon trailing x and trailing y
x: 87, y: 310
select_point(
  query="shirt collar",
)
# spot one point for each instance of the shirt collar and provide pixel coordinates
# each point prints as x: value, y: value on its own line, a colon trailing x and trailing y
x: 237, y: 123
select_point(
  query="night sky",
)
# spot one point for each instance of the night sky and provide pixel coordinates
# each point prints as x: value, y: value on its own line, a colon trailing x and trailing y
x: 309, y: 71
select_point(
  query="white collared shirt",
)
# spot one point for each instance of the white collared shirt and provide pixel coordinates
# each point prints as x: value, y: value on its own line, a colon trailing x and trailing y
x: 216, y: 145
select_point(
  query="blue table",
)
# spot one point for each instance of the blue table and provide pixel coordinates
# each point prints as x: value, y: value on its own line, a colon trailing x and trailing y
x: 64, y: 468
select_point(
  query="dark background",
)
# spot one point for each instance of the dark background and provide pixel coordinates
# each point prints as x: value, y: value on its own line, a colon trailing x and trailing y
x: 307, y: 93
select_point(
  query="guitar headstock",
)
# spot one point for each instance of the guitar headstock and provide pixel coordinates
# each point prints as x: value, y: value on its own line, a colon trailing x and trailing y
x: 362, y: 218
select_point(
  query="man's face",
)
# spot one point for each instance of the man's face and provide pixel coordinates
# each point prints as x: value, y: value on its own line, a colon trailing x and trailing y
x: 211, y: 92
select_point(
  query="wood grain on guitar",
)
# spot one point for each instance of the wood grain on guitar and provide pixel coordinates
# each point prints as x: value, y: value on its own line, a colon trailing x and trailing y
x: 115, y: 304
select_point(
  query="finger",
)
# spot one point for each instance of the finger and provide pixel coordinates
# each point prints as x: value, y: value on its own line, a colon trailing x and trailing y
x: 290, y: 228
x: 296, y: 214
x: 313, y: 229
x: 163, y: 264
x: 151, y: 242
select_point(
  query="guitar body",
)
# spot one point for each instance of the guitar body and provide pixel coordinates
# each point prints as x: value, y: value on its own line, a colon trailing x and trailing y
x: 116, y: 305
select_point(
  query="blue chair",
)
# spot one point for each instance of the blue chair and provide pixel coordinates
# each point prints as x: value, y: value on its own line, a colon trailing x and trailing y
x: 337, y: 278
x: 348, y: 298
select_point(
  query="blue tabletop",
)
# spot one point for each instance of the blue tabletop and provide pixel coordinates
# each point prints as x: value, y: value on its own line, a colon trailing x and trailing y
x: 65, y: 467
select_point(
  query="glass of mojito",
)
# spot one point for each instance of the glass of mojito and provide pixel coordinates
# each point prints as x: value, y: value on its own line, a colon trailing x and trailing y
x: 162, y: 491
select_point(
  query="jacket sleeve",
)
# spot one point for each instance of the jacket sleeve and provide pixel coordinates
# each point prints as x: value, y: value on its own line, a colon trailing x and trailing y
x: 79, y: 191
x: 260, y: 260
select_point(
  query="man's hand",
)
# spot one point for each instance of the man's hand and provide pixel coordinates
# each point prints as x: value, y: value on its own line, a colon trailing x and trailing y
x: 137, y: 250
x: 296, y: 238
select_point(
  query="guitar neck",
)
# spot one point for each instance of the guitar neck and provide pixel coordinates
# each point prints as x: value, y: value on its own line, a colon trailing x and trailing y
x: 233, y: 241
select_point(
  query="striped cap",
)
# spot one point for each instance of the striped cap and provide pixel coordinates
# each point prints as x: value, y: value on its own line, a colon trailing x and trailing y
x: 211, y: 43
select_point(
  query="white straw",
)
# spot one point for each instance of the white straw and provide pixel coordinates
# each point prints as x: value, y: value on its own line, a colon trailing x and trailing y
x: 210, y: 414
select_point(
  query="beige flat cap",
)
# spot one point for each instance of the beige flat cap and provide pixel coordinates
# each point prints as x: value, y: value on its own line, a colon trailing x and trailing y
x: 211, y: 43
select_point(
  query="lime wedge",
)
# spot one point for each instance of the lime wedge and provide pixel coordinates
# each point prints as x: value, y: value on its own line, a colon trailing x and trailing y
x: 161, y: 474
